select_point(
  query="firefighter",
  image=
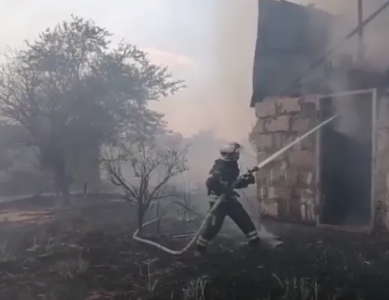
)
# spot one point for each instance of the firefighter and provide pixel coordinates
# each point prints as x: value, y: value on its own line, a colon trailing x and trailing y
x: 222, y: 181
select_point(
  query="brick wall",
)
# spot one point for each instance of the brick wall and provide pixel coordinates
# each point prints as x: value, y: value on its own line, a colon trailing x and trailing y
x: 286, y: 186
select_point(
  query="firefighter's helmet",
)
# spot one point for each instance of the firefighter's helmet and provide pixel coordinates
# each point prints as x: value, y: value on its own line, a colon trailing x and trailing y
x: 230, y: 151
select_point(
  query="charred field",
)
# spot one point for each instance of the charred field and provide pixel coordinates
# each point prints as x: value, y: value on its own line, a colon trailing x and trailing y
x: 87, y: 253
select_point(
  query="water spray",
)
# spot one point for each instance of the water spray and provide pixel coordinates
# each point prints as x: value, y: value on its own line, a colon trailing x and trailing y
x: 215, y: 206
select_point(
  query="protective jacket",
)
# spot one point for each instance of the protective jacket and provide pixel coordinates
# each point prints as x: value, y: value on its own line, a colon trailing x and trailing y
x: 224, y: 177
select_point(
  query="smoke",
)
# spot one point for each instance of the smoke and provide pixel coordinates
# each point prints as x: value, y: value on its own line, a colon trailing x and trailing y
x: 376, y: 47
x: 219, y: 80
x: 376, y: 39
x: 234, y: 30
x: 232, y: 33
x: 229, y: 53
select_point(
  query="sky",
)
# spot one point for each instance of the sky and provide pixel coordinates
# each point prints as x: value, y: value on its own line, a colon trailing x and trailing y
x: 208, y: 43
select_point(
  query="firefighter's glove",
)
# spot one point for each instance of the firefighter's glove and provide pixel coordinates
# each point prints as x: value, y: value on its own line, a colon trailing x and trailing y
x: 250, y: 178
x: 244, y: 181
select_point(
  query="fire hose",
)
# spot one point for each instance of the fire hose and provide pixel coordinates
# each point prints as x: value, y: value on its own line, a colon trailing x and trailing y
x: 216, y: 205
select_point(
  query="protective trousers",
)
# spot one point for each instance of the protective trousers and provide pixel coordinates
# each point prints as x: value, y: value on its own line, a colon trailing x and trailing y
x: 232, y: 208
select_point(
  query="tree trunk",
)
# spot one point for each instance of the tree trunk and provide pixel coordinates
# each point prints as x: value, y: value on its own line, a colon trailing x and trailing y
x: 66, y: 195
x: 159, y: 219
x: 53, y: 158
x: 141, y: 214
x: 62, y: 182
x: 62, y: 186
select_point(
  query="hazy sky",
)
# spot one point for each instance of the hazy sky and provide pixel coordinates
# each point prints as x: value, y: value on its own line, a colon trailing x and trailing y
x: 184, y: 34
x: 209, y: 43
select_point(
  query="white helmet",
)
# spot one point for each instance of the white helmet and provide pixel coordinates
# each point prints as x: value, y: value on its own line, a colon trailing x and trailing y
x: 230, y: 151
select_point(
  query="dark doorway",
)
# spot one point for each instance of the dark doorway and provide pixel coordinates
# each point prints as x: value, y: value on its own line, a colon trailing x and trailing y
x: 345, y: 161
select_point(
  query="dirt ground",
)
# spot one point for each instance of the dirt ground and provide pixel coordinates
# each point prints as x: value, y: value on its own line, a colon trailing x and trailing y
x: 87, y: 253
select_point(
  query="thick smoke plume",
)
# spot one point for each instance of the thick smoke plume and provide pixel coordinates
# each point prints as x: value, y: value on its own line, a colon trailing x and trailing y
x: 376, y: 39
x: 234, y: 27
x: 376, y: 47
x: 220, y: 89
x: 219, y: 80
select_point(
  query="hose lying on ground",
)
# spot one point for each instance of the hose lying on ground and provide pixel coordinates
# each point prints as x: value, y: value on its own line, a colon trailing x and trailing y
x: 215, y: 206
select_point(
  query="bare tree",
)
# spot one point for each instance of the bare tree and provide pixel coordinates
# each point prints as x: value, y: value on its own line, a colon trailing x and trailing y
x: 181, y: 201
x: 186, y: 207
x: 72, y: 90
x: 153, y: 169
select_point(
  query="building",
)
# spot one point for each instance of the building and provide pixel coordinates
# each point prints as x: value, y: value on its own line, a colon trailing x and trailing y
x: 339, y: 176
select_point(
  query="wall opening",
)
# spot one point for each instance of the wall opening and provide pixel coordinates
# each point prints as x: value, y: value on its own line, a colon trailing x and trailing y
x: 345, y: 164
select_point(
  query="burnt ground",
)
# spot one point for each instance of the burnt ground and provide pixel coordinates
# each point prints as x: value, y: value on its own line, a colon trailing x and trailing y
x: 87, y: 253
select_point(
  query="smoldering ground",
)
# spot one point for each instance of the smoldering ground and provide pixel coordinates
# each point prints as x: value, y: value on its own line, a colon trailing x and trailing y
x: 87, y: 253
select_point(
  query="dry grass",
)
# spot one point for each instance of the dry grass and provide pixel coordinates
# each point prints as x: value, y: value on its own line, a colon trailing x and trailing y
x: 90, y: 255
x: 299, y: 288
x: 195, y: 289
x: 69, y: 269
x: 6, y: 254
x: 23, y: 216
x: 148, y: 282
